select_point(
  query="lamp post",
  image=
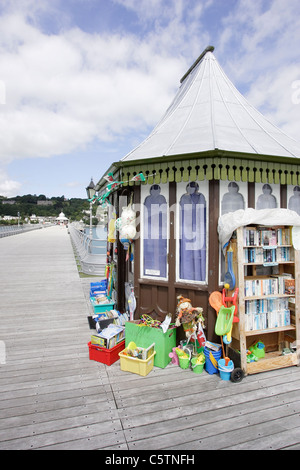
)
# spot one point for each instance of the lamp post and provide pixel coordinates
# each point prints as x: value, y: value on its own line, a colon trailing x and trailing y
x: 90, y: 191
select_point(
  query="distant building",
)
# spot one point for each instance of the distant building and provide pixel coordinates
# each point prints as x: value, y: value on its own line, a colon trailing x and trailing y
x: 62, y: 219
x: 9, y: 201
x: 45, y: 203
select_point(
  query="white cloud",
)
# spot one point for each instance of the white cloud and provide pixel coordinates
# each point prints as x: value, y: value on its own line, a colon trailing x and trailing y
x: 63, y: 91
x: 8, y: 187
x: 263, y: 37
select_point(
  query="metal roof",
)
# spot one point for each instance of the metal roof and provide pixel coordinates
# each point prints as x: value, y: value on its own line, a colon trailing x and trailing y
x: 209, y: 113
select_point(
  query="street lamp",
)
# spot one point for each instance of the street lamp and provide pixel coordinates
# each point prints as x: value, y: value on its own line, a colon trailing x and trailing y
x: 90, y: 191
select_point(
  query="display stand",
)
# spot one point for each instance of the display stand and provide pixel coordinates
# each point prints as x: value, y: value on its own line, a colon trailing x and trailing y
x: 269, y: 309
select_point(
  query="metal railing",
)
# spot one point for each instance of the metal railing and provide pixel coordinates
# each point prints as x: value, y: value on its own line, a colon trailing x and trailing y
x: 90, y: 251
x: 8, y: 230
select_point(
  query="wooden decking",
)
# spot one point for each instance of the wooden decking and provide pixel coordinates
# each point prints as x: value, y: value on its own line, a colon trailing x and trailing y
x: 53, y: 397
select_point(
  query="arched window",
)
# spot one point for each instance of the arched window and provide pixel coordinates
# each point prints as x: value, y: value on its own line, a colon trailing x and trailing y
x: 192, y: 243
x: 294, y: 201
x: 266, y: 200
x: 232, y: 200
x: 155, y: 233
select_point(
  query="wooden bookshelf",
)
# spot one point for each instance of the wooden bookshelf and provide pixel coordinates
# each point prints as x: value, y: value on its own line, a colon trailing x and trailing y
x: 281, y: 326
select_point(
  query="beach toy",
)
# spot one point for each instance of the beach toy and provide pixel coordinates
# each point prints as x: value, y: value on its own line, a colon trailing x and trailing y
x: 216, y: 300
x: 229, y: 278
x: 251, y: 357
x: 174, y: 356
x: 258, y: 350
x: 224, y: 320
x: 233, y: 301
x: 184, y: 357
x: 111, y: 237
x: 184, y: 362
x: 225, y: 370
x: 131, y: 345
x: 197, y: 363
x: 211, y: 360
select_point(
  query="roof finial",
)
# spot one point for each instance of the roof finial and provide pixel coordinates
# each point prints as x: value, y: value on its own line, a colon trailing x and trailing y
x: 208, y: 49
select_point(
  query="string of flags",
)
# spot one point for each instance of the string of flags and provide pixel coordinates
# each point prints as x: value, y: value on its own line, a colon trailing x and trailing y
x: 113, y: 184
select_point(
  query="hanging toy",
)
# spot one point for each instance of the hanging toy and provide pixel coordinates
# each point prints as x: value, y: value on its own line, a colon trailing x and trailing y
x: 131, y: 304
x: 111, y: 238
x: 111, y: 280
x: 127, y: 228
x: 118, y: 224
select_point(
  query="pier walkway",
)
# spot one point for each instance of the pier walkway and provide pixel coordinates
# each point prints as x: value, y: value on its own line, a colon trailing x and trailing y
x: 53, y: 397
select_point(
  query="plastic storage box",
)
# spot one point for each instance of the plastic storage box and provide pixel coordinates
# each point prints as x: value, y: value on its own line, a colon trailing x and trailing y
x: 98, y: 288
x: 105, y: 356
x: 144, y: 336
x: 136, y: 366
x: 102, y: 323
x: 99, y: 308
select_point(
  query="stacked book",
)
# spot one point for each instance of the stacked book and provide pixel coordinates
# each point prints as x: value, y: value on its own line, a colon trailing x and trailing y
x: 267, y: 320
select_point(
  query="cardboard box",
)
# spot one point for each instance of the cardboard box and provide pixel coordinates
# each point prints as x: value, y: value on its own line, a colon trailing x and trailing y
x: 109, y: 337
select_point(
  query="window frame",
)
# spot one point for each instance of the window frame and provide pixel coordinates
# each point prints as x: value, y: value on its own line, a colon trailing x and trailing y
x: 180, y: 191
x: 145, y: 191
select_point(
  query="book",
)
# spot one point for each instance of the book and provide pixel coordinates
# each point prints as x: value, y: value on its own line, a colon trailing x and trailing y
x: 147, y: 352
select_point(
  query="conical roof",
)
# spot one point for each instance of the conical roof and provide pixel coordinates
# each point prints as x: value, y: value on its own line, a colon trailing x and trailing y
x: 209, y: 113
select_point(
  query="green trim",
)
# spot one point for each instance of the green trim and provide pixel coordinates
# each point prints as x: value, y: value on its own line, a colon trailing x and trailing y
x: 214, y: 164
x: 209, y: 168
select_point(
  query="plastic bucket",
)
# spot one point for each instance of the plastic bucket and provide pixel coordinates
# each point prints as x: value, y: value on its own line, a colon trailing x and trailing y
x: 225, y: 371
x: 211, y: 362
x: 184, y: 362
x: 198, y: 369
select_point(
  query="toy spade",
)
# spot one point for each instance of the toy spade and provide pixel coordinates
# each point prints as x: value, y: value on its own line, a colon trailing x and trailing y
x: 229, y: 278
x: 216, y: 300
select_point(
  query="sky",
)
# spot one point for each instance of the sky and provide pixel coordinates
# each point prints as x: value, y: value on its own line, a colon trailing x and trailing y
x: 83, y: 82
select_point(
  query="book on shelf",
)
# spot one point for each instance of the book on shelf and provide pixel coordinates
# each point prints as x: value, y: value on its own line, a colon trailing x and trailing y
x: 289, y: 285
x: 258, y: 287
x: 276, y: 284
x: 267, y: 237
x: 266, y: 305
x: 267, y: 320
x: 261, y: 236
x: 262, y: 255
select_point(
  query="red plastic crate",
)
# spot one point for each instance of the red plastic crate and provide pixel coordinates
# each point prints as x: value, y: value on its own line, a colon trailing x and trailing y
x: 106, y: 356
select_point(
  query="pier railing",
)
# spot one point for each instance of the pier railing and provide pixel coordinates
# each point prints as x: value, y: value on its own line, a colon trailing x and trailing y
x: 8, y: 230
x: 90, y: 251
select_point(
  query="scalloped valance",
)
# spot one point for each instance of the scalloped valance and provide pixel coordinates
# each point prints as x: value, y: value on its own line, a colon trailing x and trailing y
x: 231, y: 169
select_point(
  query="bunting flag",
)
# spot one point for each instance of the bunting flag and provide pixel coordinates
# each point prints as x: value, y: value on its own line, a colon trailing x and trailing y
x: 113, y: 184
x: 109, y: 177
x: 139, y: 177
x: 93, y: 199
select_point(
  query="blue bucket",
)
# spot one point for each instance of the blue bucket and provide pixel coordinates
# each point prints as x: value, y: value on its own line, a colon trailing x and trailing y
x: 225, y: 371
x: 211, y: 363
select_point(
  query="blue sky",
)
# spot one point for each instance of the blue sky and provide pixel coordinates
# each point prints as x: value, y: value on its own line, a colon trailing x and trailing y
x: 82, y: 82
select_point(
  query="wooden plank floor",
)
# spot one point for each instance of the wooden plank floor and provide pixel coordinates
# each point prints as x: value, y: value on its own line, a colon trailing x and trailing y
x: 53, y: 397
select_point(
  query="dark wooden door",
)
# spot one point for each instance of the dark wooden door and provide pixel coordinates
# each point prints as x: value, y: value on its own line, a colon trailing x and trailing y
x: 157, y: 298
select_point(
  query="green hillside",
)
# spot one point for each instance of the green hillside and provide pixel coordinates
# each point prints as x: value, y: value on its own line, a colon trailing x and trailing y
x: 29, y: 204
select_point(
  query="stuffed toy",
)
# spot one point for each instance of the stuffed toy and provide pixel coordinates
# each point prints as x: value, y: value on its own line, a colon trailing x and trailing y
x: 191, y: 319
